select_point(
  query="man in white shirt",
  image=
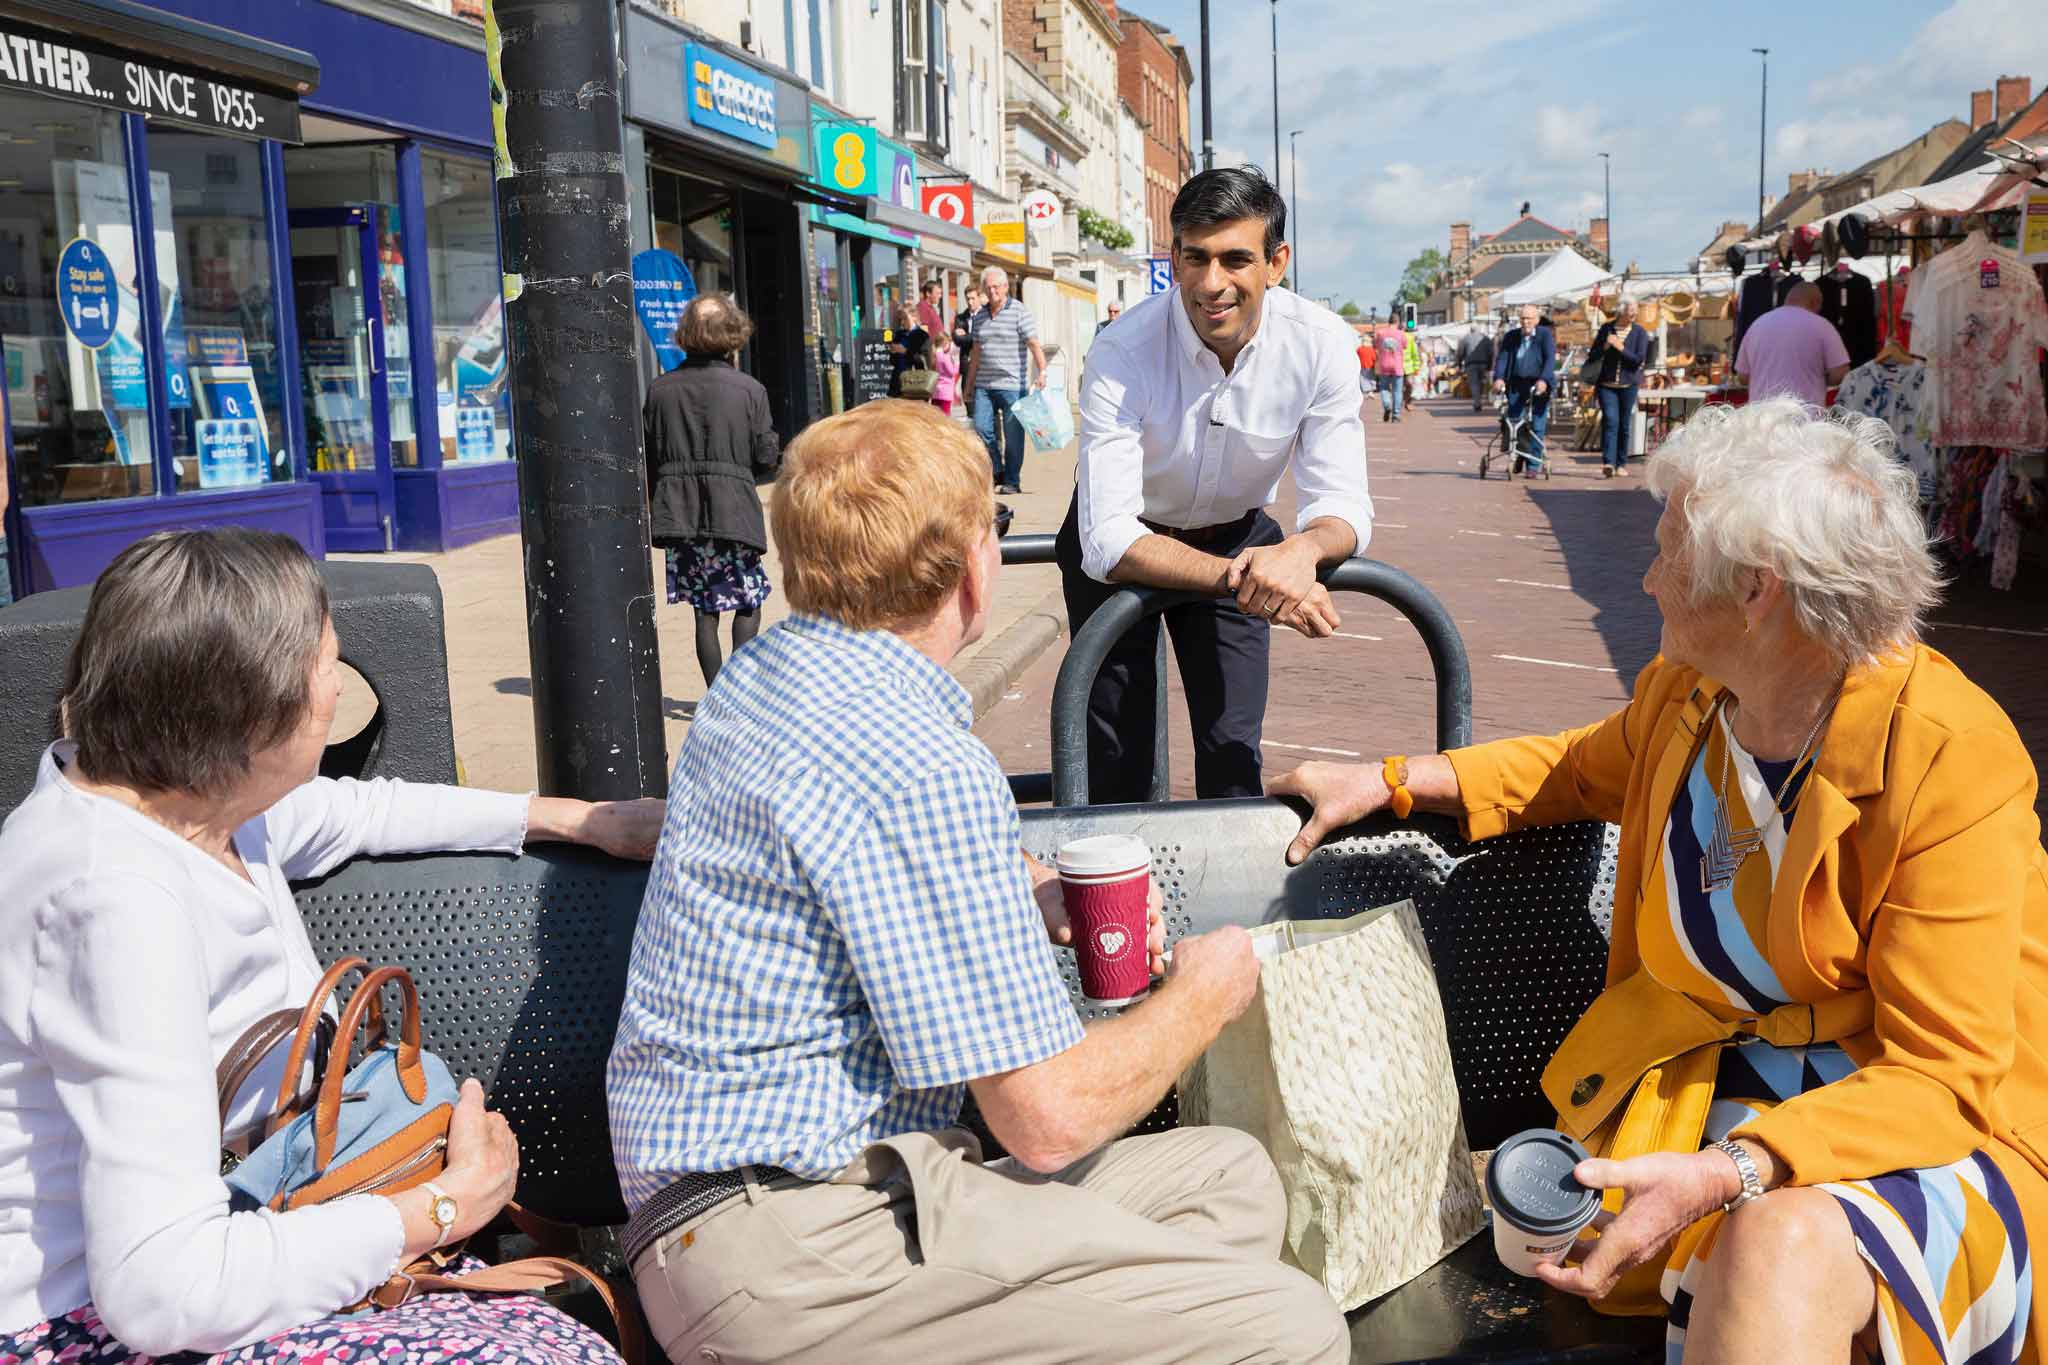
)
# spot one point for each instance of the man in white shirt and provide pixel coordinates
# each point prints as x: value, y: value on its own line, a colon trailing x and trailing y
x: 1192, y: 408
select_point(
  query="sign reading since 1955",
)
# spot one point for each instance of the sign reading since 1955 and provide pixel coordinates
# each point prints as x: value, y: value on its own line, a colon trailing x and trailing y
x: 76, y: 69
x: 730, y: 97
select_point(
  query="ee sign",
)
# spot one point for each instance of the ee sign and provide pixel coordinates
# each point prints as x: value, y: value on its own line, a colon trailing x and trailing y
x: 950, y: 204
x: 1042, y: 209
x: 729, y: 97
x: 847, y: 158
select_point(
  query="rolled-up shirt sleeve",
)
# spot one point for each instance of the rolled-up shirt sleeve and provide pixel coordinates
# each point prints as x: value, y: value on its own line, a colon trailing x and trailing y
x: 1110, y: 487
x: 1329, y: 462
x: 119, y: 1010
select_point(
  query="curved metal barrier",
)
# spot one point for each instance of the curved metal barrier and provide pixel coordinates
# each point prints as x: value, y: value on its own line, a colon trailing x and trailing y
x: 1092, y: 643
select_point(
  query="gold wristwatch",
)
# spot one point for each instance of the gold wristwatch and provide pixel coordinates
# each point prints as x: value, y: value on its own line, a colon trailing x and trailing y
x: 442, y: 1210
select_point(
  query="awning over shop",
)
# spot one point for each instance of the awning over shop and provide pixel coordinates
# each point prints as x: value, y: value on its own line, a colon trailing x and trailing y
x: 861, y: 227
x: 984, y: 259
x: 944, y: 254
x: 1075, y: 291
x: 922, y: 224
x: 142, y: 60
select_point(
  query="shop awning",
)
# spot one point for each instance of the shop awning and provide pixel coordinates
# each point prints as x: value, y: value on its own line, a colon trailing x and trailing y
x: 1075, y: 291
x: 861, y: 227
x: 945, y: 254
x: 984, y: 259
x: 923, y: 224
x: 106, y: 52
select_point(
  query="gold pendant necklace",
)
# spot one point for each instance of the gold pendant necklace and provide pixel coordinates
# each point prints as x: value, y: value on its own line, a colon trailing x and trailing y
x: 1729, y: 848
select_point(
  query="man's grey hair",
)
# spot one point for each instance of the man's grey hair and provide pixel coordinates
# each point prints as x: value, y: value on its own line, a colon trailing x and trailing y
x: 195, y: 656
x: 992, y: 273
x: 1819, y: 501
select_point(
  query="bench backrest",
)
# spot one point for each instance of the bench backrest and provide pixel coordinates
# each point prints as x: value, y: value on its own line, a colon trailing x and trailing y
x: 521, y: 962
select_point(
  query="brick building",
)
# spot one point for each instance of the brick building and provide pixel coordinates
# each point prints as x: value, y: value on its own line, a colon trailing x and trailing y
x: 1480, y: 269
x: 1154, y: 76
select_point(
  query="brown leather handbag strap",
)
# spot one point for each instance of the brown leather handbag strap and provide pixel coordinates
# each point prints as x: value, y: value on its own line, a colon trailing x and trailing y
x: 309, y: 1023
x: 531, y: 1273
x: 411, y: 1074
x: 257, y: 1041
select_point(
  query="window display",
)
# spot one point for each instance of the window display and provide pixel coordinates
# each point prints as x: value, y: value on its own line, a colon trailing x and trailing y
x: 469, y: 320
x: 78, y: 398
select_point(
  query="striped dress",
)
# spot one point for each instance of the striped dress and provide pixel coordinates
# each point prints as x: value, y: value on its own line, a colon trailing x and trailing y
x: 1946, y: 1244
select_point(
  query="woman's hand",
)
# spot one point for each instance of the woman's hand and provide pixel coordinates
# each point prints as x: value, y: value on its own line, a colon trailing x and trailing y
x: 1052, y: 904
x: 1340, y: 794
x: 1666, y: 1193
x: 624, y: 829
x: 482, y: 1171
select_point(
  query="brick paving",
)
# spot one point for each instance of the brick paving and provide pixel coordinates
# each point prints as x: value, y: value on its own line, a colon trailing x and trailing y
x: 1544, y: 581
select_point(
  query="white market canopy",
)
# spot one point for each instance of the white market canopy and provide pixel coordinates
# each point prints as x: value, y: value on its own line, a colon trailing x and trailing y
x: 1565, y: 271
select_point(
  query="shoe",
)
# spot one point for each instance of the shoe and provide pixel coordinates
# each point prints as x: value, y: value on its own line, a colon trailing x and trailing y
x: 1009, y: 488
x: 1606, y: 471
x: 1621, y: 470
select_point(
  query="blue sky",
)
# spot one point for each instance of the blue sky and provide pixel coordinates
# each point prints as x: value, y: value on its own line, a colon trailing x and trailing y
x: 1416, y: 115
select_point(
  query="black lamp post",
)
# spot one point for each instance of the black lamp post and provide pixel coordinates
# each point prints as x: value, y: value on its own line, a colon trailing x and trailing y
x: 1294, y: 171
x: 1208, y: 141
x: 1763, y: 111
x: 1275, y: 9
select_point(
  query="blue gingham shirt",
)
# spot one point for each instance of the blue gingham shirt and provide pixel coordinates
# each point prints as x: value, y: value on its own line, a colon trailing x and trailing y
x: 838, y: 931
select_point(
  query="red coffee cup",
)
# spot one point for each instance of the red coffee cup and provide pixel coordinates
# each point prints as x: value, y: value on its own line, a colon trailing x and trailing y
x: 1107, y: 881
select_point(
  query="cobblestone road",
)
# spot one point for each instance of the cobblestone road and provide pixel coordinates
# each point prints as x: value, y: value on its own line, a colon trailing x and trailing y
x: 1544, y: 581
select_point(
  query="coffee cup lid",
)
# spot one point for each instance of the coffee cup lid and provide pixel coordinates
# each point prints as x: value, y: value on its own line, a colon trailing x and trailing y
x: 1103, y: 854
x: 1530, y: 1183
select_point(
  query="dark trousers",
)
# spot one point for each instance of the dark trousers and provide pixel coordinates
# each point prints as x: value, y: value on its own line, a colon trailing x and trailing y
x: 1617, y: 416
x: 1223, y: 658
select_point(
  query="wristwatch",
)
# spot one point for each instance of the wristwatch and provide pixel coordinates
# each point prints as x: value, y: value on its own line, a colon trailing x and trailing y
x: 1394, y: 772
x: 442, y: 1210
x: 1752, y: 1184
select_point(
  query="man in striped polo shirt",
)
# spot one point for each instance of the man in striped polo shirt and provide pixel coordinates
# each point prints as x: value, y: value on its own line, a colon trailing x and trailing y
x: 1006, y: 353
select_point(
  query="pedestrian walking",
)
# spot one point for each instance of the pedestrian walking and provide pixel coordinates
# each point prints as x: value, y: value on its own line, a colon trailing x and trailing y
x: 946, y: 364
x: 1475, y: 357
x: 1006, y: 358
x: 965, y: 319
x: 1116, y: 310
x: 1622, y: 347
x: 909, y: 350
x: 710, y: 442
x: 1793, y: 350
x: 1390, y: 352
x: 931, y: 314
x: 1411, y: 364
x: 1525, y: 368
x: 1193, y: 409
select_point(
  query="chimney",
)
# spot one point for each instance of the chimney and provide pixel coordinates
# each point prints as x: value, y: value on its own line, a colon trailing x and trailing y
x: 1461, y: 241
x: 1800, y: 181
x: 1980, y: 109
x: 1599, y: 236
x: 2014, y: 94
x: 1109, y: 8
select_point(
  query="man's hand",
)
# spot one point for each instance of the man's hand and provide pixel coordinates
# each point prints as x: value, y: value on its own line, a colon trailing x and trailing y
x: 1052, y: 904
x: 1222, y: 966
x: 1500, y: 386
x: 1272, y: 580
x: 1314, y: 616
x: 1542, y: 387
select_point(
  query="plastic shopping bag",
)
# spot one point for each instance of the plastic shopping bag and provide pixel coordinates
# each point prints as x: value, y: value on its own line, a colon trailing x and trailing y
x: 1048, y: 419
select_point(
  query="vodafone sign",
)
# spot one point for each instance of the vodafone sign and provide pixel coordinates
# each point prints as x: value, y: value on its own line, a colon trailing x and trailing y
x: 949, y: 203
x: 1042, y: 208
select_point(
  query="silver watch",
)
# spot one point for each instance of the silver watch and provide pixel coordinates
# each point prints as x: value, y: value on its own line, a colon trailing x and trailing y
x: 1752, y: 1184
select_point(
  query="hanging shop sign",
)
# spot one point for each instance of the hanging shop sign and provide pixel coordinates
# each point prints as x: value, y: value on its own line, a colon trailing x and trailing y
x: 1005, y: 239
x: 1158, y: 274
x: 1042, y: 209
x: 86, y: 294
x: 849, y: 158
x: 949, y: 203
x: 76, y: 69
x: 662, y: 289
x: 730, y: 97
x: 2034, y: 228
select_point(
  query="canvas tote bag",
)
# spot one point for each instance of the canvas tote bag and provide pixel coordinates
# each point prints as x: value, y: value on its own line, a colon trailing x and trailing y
x: 1342, y: 1069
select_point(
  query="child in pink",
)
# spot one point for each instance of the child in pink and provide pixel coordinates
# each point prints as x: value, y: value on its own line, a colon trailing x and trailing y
x: 945, y: 360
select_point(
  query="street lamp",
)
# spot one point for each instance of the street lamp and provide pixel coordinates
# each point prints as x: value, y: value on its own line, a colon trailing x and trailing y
x: 1276, y: 88
x: 1208, y: 142
x: 1607, y: 182
x: 1294, y: 170
x: 1763, y: 110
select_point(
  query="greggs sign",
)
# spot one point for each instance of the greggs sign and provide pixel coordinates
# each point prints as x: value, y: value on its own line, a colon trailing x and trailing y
x: 730, y: 97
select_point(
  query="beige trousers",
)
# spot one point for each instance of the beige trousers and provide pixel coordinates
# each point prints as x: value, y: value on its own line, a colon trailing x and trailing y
x: 1154, y: 1250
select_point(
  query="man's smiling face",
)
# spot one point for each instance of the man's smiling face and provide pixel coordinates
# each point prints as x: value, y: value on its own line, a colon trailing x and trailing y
x: 1224, y: 274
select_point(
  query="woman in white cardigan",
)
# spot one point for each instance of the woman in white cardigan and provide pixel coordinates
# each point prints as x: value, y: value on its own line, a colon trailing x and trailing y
x: 146, y: 921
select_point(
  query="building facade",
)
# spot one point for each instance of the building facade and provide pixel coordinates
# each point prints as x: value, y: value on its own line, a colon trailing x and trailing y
x: 1477, y: 270
x: 1154, y: 77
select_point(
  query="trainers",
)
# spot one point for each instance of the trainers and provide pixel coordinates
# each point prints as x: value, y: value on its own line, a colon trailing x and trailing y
x: 1621, y: 470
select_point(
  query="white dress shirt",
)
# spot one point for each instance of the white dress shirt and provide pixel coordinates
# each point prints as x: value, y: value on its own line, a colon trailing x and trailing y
x: 129, y: 963
x: 1166, y: 435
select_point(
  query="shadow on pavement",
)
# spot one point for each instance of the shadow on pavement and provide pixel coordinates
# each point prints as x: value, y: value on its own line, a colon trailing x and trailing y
x: 1607, y: 539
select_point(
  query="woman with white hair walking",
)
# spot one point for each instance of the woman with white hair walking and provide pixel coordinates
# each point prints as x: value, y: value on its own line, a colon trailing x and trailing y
x: 1830, y: 938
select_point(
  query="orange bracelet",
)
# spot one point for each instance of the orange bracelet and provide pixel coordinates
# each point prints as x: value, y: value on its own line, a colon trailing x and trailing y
x: 1394, y: 772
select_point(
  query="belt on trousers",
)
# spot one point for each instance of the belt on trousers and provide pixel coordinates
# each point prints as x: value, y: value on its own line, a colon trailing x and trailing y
x: 1203, y: 536
x: 676, y: 1204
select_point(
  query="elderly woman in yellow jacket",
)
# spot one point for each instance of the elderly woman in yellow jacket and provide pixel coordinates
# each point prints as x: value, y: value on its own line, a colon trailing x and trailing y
x: 1831, y: 889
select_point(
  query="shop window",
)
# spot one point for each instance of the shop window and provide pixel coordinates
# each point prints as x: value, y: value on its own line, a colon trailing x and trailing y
x: 76, y: 359
x: 694, y: 219
x: 832, y: 347
x: 219, y: 306
x: 470, y: 386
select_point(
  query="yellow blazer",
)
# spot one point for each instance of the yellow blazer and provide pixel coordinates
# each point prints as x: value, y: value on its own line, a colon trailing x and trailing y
x: 1913, y: 871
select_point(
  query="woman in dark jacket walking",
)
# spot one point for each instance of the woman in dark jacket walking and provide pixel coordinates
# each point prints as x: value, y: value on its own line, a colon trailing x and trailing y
x: 710, y: 443
x: 1622, y: 349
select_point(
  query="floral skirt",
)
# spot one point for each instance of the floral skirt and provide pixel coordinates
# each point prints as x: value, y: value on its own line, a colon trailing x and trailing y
x: 716, y: 576
x: 1946, y: 1245
x: 453, y: 1329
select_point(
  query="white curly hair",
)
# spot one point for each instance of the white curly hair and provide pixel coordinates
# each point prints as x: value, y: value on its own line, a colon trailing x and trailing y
x: 1817, y: 499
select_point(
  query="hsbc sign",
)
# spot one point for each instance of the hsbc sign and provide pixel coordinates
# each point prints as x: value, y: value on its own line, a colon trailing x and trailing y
x: 1042, y: 207
x: 949, y: 203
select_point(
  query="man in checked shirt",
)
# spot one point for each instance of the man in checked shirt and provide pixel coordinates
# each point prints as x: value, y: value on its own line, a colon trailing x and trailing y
x: 842, y: 936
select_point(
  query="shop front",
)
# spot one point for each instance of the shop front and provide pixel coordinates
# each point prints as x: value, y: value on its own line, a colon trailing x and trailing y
x: 718, y: 147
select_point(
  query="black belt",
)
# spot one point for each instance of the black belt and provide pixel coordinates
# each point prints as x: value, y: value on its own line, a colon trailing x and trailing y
x: 1203, y: 536
x: 677, y: 1203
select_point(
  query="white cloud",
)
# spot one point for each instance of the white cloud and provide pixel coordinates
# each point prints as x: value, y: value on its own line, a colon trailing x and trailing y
x: 1963, y: 48
x: 1839, y: 143
x: 1407, y: 196
x: 1561, y: 134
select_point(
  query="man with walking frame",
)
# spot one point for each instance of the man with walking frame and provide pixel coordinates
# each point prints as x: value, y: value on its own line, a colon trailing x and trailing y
x: 1525, y: 368
x: 1193, y: 408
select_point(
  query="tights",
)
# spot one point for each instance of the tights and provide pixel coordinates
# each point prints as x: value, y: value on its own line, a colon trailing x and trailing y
x: 745, y: 625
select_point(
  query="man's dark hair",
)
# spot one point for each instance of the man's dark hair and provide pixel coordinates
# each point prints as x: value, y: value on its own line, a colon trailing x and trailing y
x: 927, y: 286
x: 1230, y: 195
